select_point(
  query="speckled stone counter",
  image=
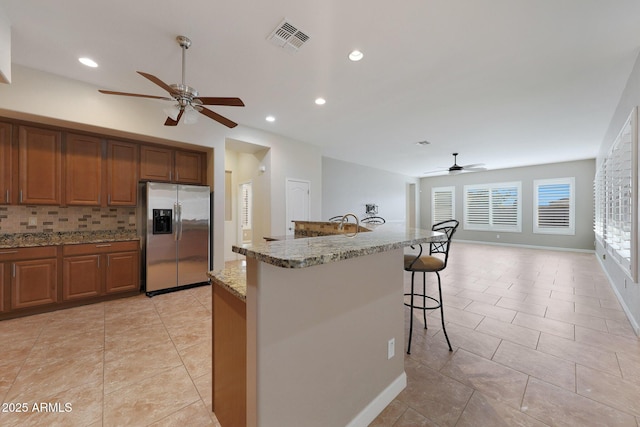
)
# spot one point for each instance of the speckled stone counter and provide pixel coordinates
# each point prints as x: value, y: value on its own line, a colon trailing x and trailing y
x: 63, y: 238
x: 233, y: 279
x: 305, y: 252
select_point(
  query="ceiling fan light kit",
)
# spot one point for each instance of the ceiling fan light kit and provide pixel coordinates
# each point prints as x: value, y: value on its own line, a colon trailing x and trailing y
x: 188, y: 100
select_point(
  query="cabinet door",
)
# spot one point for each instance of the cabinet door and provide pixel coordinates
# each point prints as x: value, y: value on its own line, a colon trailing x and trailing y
x: 6, y: 163
x: 189, y: 168
x: 81, y: 277
x: 39, y: 166
x: 33, y: 283
x: 156, y: 164
x: 122, y: 173
x: 122, y: 272
x: 3, y: 282
x: 83, y: 168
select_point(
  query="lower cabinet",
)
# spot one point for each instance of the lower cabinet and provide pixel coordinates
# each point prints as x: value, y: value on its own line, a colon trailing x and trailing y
x: 46, y: 278
x: 28, y: 277
x: 91, y: 270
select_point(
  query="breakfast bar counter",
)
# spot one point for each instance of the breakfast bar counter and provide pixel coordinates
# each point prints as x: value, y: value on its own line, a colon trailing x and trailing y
x: 324, y: 317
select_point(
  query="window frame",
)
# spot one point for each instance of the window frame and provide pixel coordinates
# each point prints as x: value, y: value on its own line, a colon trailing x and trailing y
x: 570, y: 229
x: 452, y: 191
x: 493, y: 215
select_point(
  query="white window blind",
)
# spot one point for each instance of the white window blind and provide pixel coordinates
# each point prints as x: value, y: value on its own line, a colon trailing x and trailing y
x: 554, y: 206
x: 493, y: 207
x: 245, y: 208
x: 616, y: 194
x: 443, y: 206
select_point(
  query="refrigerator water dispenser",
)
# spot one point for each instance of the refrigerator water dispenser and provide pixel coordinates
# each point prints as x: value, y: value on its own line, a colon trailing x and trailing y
x: 162, y: 221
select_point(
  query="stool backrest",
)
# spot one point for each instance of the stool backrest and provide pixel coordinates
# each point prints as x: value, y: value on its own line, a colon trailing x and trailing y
x: 447, y: 227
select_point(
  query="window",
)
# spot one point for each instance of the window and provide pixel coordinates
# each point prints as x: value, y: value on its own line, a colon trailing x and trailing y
x: 554, y: 206
x: 616, y: 194
x: 443, y: 205
x: 493, y: 207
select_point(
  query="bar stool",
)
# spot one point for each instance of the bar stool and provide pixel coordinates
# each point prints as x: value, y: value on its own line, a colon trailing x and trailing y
x: 430, y: 264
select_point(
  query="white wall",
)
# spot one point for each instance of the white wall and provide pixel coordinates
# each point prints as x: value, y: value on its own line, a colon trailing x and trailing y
x: 244, y: 167
x: 47, y: 98
x: 582, y: 170
x: 347, y: 187
x: 627, y: 289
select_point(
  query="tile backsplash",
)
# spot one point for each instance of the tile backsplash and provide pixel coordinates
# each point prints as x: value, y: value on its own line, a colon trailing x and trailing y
x: 38, y: 219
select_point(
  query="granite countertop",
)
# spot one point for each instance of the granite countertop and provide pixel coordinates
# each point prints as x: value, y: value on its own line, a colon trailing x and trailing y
x: 233, y: 279
x: 306, y: 252
x: 64, y: 238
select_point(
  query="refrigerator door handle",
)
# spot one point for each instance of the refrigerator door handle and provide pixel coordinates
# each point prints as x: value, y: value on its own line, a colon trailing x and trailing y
x: 175, y: 221
x: 179, y: 221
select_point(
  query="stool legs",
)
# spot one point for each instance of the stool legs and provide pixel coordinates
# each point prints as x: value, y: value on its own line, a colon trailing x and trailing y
x: 413, y: 273
x: 442, y: 313
x: 424, y: 309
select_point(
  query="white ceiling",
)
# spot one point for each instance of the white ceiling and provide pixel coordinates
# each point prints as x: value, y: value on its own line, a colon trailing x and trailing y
x: 502, y: 82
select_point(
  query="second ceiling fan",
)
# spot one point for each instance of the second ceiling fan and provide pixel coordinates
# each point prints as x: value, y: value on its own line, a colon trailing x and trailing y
x: 187, y: 97
x: 456, y: 168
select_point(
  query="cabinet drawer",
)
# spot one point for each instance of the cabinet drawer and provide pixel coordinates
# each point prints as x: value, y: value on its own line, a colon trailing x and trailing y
x: 100, y: 248
x: 11, y: 254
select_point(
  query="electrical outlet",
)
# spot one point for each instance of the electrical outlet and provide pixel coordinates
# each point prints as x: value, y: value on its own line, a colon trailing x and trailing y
x: 391, y: 348
x: 33, y: 220
x: 497, y: 236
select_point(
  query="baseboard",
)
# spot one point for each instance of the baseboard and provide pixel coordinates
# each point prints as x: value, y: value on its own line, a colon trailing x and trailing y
x: 518, y: 245
x: 377, y: 405
x: 632, y: 320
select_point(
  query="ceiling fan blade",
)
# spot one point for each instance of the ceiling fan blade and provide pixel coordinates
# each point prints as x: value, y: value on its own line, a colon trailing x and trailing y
x: 474, y: 165
x: 218, y: 118
x: 171, y: 122
x: 475, y: 169
x: 436, y: 171
x: 139, y: 95
x: 157, y: 81
x: 213, y: 100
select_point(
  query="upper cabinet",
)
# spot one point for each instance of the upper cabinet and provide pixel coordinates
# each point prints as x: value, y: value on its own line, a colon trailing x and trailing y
x: 83, y: 168
x: 6, y: 163
x: 94, y: 179
x: 39, y: 166
x: 53, y: 166
x: 122, y: 173
x: 190, y: 167
x: 172, y: 165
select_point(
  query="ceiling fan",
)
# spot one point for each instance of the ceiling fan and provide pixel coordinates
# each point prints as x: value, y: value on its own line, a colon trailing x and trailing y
x: 456, y: 169
x: 188, y: 101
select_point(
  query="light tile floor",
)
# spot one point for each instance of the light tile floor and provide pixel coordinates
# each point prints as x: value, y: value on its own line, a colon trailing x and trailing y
x: 538, y: 339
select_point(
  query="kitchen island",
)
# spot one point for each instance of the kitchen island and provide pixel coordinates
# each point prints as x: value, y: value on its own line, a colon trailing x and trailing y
x: 324, y: 327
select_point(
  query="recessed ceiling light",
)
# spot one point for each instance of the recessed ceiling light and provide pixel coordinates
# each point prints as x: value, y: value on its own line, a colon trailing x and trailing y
x: 356, y: 55
x: 320, y: 101
x: 270, y: 119
x: 88, y: 62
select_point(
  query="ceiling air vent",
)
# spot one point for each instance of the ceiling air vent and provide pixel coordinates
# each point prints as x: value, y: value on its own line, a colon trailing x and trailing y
x: 288, y: 36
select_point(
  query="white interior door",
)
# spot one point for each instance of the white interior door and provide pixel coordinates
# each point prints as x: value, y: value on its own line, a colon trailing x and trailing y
x: 297, y: 201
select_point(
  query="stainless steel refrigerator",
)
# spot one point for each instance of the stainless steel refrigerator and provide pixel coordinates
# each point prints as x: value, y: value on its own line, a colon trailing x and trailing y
x: 175, y: 236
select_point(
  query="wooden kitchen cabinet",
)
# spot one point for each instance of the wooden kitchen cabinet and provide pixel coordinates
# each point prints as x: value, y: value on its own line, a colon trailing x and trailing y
x: 172, y: 165
x: 81, y: 277
x: 122, y: 173
x: 91, y: 270
x: 4, y: 288
x: 83, y: 170
x: 29, y: 277
x: 122, y: 272
x: 39, y: 166
x: 92, y: 180
x: 189, y: 167
x: 6, y: 163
